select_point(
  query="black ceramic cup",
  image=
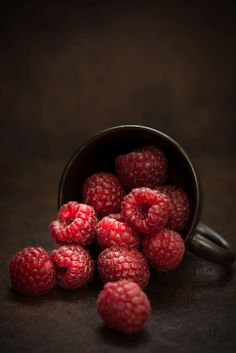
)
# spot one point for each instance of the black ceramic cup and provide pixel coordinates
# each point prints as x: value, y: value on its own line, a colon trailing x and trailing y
x: 98, y: 154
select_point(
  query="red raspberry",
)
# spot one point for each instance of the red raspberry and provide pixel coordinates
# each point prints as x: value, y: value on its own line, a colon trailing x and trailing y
x: 146, y: 166
x: 123, y: 306
x: 145, y: 209
x: 32, y: 272
x: 164, y: 249
x: 104, y: 193
x: 75, y: 224
x: 119, y: 263
x: 179, y: 207
x: 74, y: 266
x: 112, y: 232
x: 116, y: 216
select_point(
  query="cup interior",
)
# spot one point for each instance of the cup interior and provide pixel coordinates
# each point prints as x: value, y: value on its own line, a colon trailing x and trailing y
x: 98, y: 155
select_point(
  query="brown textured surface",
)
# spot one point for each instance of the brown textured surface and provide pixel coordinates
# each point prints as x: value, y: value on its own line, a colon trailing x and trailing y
x: 68, y: 71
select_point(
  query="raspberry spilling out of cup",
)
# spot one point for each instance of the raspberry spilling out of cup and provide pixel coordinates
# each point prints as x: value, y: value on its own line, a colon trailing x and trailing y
x: 134, y: 192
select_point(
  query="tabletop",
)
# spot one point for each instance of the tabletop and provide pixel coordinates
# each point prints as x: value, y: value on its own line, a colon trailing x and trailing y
x: 69, y: 70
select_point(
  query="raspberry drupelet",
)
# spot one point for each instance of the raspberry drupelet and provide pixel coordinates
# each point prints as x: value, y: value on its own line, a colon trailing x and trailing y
x: 123, y: 306
x: 75, y: 223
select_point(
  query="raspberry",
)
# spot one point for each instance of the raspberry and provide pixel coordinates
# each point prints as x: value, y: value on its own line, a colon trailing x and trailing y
x: 32, y: 272
x: 74, y: 266
x: 164, y: 249
x: 179, y: 207
x: 104, y: 193
x: 146, y: 166
x: 112, y: 232
x: 145, y: 209
x: 116, y: 216
x: 123, y: 306
x: 75, y: 224
x: 119, y: 263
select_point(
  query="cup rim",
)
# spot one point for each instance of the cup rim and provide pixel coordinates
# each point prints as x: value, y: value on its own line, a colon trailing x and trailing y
x: 198, y: 209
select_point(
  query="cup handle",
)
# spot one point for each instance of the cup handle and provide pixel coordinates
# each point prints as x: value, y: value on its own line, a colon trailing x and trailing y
x: 209, y: 244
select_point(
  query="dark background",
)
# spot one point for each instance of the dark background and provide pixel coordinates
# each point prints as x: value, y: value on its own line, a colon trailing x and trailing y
x: 70, y: 69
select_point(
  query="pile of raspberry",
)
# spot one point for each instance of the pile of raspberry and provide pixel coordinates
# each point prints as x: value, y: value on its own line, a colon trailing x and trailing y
x: 134, y: 219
